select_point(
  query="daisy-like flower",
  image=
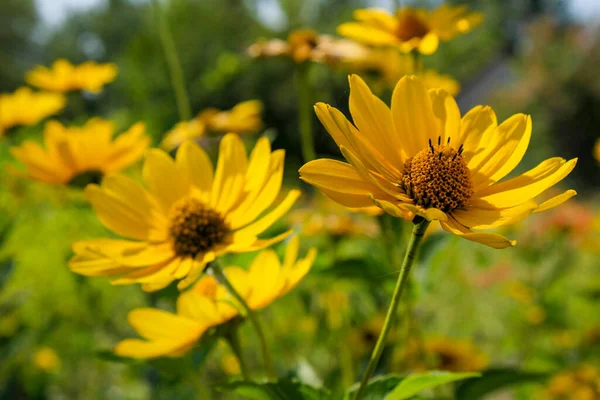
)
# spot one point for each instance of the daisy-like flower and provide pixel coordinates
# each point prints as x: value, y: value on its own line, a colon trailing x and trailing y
x: 422, y: 159
x: 447, y: 354
x: 187, y: 217
x: 25, y: 107
x: 244, y: 118
x: 410, y: 28
x: 306, y: 45
x: 65, y: 77
x: 78, y: 155
x: 209, y: 304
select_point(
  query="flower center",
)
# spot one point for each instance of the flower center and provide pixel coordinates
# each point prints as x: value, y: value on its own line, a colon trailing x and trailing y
x: 195, y: 228
x: 410, y: 26
x: 85, y: 178
x: 438, y: 177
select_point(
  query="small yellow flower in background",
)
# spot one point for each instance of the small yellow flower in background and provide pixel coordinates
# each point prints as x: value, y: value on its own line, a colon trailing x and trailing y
x: 422, y: 159
x: 535, y: 315
x: 323, y: 215
x: 454, y: 355
x: 410, y: 28
x: 86, y: 153
x: 230, y: 365
x: 521, y: 292
x: 244, y: 118
x: 188, y: 216
x: 65, y: 77
x: 581, y: 383
x: 306, y: 45
x: 597, y: 150
x: 46, y: 359
x: 209, y: 304
x: 26, y: 107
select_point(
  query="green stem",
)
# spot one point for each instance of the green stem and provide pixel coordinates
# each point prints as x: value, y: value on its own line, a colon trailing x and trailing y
x: 233, y: 339
x: 305, y: 112
x: 220, y: 276
x: 417, y: 63
x: 175, y: 70
x: 409, y: 257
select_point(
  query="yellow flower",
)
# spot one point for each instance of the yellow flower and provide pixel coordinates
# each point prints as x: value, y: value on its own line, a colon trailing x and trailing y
x: 82, y: 153
x: 422, y: 159
x: 454, y: 355
x: 244, y: 118
x: 306, y: 45
x: 187, y: 218
x: 582, y: 383
x: 64, y: 76
x: 410, y: 28
x: 46, y: 359
x: 25, y: 107
x: 597, y: 150
x: 209, y: 304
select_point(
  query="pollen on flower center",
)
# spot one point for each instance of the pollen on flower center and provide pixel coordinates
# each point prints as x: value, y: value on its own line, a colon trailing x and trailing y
x: 195, y: 228
x: 410, y: 26
x: 438, y: 177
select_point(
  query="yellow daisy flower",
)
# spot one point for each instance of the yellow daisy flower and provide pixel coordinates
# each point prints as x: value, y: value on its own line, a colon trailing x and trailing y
x: 65, y: 77
x: 422, y: 159
x: 77, y: 155
x: 244, y: 118
x: 187, y: 217
x: 410, y: 28
x: 454, y: 355
x: 209, y: 304
x: 25, y: 107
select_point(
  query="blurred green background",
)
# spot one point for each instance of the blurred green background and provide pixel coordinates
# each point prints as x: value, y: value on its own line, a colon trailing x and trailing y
x: 532, y: 308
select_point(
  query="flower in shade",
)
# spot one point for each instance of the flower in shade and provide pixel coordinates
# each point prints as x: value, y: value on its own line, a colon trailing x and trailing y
x: 581, y: 383
x: 454, y: 355
x: 65, y: 77
x: 244, y: 118
x: 46, y: 359
x: 410, y: 28
x: 422, y: 159
x: 25, y: 107
x: 209, y: 304
x: 187, y: 217
x: 78, y: 155
x: 306, y: 45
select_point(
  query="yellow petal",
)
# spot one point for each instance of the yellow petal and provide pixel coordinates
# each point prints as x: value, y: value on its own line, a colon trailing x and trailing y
x: 377, y: 18
x: 291, y: 251
x: 141, y: 349
x: 324, y: 113
x: 477, y: 218
x: 230, y: 173
x: 264, y: 279
x: 258, y: 227
x: 258, y: 165
x: 555, y: 201
x: 477, y: 127
x: 447, y: 112
x: 259, y: 244
x: 293, y: 275
x: 393, y: 209
x: 164, y: 178
x: 430, y: 214
x: 366, y: 34
x: 429, y: 44
x: 489, y: 239
x: 196, y: 165
x: 152, y: 324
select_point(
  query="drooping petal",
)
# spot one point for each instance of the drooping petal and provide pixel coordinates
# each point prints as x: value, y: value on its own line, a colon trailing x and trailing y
x: 489, y: 239
x: 555, y: 201
x: 480, y: 218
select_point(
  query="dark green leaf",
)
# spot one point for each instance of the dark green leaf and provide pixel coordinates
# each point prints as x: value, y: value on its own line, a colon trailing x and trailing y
x: 494, y: 379
x: 284, y: 389
x: 377, y: 388
x: 416, y: 383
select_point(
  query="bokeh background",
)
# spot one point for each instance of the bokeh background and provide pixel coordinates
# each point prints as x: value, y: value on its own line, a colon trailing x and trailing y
x: 531, y: 310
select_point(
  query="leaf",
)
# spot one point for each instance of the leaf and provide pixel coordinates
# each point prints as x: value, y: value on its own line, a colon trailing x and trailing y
x: 283, y: 389
x: 416, y: 383
x: 377, y: 388
x: 494, y: 379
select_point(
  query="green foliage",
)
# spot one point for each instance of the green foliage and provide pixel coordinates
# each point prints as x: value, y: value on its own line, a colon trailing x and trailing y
x: 495, y: 379
x: 283, y: 389
x: 417, y: 383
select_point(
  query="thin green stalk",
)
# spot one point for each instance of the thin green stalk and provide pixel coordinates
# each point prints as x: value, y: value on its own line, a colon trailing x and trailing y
x: 409, y: 257
x: 305, y: 112
x: 233, y: 339
x: 220, y: 276
x: 417, y: 62
x: 175, y: 70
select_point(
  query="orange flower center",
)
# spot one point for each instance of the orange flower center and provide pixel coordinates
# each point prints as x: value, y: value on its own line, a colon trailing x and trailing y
x: 410, y: 26
x: 195, y: 228
x: 438, y: 177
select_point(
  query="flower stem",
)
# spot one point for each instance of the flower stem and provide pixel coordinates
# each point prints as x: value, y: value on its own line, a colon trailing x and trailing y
x: 175, y: 70
x: 233, y: 339
x: 409, y: 257
x: 220, y: 276
x: 305, y: 112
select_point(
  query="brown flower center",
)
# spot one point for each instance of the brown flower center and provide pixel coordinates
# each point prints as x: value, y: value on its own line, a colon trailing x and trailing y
x: 438, y: 177
x: 410, y: 26
x: 195, y: 228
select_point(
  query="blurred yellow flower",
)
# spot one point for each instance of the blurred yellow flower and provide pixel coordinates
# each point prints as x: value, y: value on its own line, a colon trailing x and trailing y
x: 306, y: 45
x: 324, y: 216
x: 422, y: 159
x: 582, y: 383
x: 454, y: 355
x: 597, y: 150
x: 410, y: 28
x: 521, y: 292
x: 25, y: 107
x: 187, y: 218
x: 46, y: 359
x: 65, y: 77
x: 230, y: 365
x: 244, y: 118
x: 209, y: 303
x: 535, y: 315
x: 81, y: 154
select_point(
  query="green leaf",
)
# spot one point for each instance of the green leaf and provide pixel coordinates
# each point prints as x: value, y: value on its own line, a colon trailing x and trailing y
x: 494, y: 379
x: 416, y: 383
x: 283, y: 389
x: 377, y: 387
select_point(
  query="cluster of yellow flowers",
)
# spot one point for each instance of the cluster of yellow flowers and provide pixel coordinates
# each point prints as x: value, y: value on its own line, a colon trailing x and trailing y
x: 583, y: 383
